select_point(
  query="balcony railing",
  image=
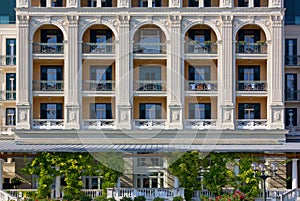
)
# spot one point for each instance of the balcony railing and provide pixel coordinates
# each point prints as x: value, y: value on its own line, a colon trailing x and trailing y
x: 150, y: 85
x: 7, y: 129
x: 202, y: 85
x: 99, y: 123
x: 193, y: 47
x: 252, y: 124
x: 48, y: 123
x: 98, y: 48
x: 98, y: 85
x: 7, y: 95
x: 48, y: 85
x: 292, y: 95
x: 8, y: 60
x: 251, y: 86
x: 150, y: 123
x: 148, y: 193
x: 48, y: 48
x: 293, y: 130
x: 251, y: 48
x: 149, y: 48
x: 200, y: 123
x: 293, y: 60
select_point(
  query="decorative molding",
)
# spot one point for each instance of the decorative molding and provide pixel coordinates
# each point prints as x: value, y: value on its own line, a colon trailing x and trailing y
x: 227, y: 20
x: 124, y: 19
x: 23, y: 20
x: 73, y: 20
x: 175, y: 20
x: 277, y: 20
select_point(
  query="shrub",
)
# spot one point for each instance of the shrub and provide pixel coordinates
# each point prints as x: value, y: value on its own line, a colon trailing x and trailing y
x: 100, y: 198
x: 68, y: 197
x: 158, y: 199
x: 139, y: 198
x: 126, y: 199
x: 111, y: 199
x: 84, y: 197
x: 178, y: 198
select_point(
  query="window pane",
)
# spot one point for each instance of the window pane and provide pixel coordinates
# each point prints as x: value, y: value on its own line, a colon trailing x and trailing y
x: 10, y: 116
x: 51, y: 111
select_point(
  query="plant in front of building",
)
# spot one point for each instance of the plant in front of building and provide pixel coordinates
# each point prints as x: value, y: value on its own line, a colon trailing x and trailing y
x: 16, y: 181
x: 158, y: 199
x: 125, y: 199
x: 139, y: 198
x: 178, y: 198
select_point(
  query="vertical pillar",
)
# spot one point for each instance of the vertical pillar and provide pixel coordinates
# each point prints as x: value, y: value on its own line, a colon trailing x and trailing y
x: 226, y: 3
x: 23, y: 3
x: 175, y: 76
x: 99, y: 5
x: 251, y: 4
x: 294, y: 173
x: 226, y: 81
x: 150, y: 3
x: 123, y: 75
x: 57, y: 184
x: 73, y: 3
x: 123, y: 3
x: 175, y: 3
x: 275, y: 70
x: 71, y: 77
x: 201, y: 3
x: 1, y: 174
x: 48, y: 3
x: 23, y: 80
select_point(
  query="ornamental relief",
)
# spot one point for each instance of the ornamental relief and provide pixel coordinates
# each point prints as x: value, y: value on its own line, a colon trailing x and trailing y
x: 85, y: 23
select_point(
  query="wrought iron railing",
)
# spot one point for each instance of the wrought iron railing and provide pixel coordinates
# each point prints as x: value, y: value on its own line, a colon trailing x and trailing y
x: 7, y: 95
x: 48, y: 85
x: 243, y: 85
x: 8, y: 60
x: 292, y: 60
x: 292, y: 95
x: 98, y: 85
x: 201, y: 85
x: 149, y: 48
x: 251, y: 48
x: 194, y: 47
x: 48, y: 48
x: 150, y: 85
x: 98, y: 48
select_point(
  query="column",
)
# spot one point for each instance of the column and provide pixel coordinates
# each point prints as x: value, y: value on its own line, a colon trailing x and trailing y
x: 48, y: 3
x: 226, y: 82
x: 23, y: 73
x: 1, y: 174
x: 150, y: 3
x: 73, y: 3
x: 99, y: 3
x: 226, y: 3
x: 175, y: 3
x: 175, y: 76
x: 276, y: 3
x: 123, y: 75
x: 57, y: 184
x: 71, y: 77
x: 275, y: 68
x: 201, y: 3
x: 294, y: 173
x: 123, y: 3
x: 251, y: 4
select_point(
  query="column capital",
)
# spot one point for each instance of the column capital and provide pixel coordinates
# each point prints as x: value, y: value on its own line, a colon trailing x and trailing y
x: 227, y: 20
x: 175, y: 20
x: 295, y: 159
x: 23, y: 20
x: 73, y: 20
x: 124, y: 19
x: 277, y: 20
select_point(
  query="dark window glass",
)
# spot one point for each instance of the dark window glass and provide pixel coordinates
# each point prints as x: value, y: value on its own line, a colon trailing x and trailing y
x: 51, y: 111
x: 199, y: 111
x: 10, y: 116
x: 291, y: 87
x: 249, y: 110
x: 291, y: 52
x: 10, y: 86
x: 207, y: 3
x: 150, y: 111
x: 243, y: 3
x: 290, y: 116
x: 193, y: 3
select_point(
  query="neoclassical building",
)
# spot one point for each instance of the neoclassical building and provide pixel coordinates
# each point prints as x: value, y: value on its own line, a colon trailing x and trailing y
x: 152, y: 76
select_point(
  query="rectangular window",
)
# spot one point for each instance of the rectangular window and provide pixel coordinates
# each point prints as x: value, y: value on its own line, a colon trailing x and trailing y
x: 290, y: 116
x: 199, y: 111
x: 193, y: 3
x: 150, y: 77
x: 10, y: 116
x: 291, y: 52
x: 150, y: 41
x: 10, y: 86
x: 291, y: 87
x: 249, y: 110
x: 100, y: 111
x: 57, y: 3
x: 150, y: 111
x: 256, y: 3
x: 51, y: 111
x: 246, y: 74
x: 199, y: 73
x: 102, y: 40
x: 243, y: 3
x: 207, y: 3
x: 11, y: 51
x: 106, y: 3
x: 101, y: 74
x: 143, y: 3
x: 51, y: 78
x: 156, y: 3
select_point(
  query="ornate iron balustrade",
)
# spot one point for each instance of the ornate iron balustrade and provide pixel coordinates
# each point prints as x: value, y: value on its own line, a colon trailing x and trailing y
x: 98, y: 48
x: 251, y: 48
x: 48, y: 48
x: 243, y: 85
x: 48, y: 85
x: 98, y: 85
x: 252, y: 123
x: 201, y: 85
x: 150, y: 85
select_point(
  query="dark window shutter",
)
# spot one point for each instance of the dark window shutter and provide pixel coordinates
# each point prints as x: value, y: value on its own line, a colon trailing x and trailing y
x: 191, y: 73
x: 241, y: 3
x: 44, y: 33
x: 93, y: 34
x: 108, y: 35
x: 108, y: 111
x: 58, y: 3
x: 241, y: 73
x: 191, y: 3
x: 241, y: 35
x: 256, y: 35
x: 44, y: 73
x: 241, y: 112
x: 192, y: 111
x: 157, y: 111
x: 59, y: 36
x: 256, y: 73
x: 157, y: 3
x: 59, y: 111
x: 93, y: 111
x: 207, y: 111
x: 207, y: 35
x: 256, y: 3
x: 43, y: 111
x: 109, y: 73
x: 92, y: 73
x: 207, y: 3
x: 59, y: 73
x: 108, y: 3
x: 207, y: 73
x: 191, y: 34
x: 142, y: 111
x: 43, y: 3
x: 256, y: 111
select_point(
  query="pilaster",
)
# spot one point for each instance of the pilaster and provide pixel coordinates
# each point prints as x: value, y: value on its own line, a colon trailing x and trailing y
x: 23, y: 3
x: 175, y: 76
x: 48, y: 3
x: 251, y: 3
x: 72, y: 79
x: 226, y: 3
x: 294, y: 173
x: 276, y: 72
x: 175, y: 3
x: 123, y: 3
x: 123, y: 75
x: 23, y: 73
x: 73, y: 3
x: 226, y: 81
x: 276, y: 3
x: 201, y: 3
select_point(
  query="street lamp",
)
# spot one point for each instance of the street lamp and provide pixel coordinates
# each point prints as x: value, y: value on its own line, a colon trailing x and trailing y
x: 263, y: 174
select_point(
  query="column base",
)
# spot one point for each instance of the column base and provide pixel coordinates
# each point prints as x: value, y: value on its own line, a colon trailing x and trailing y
x: 23, y: 116
x: 276, y: 121
x: 123, y: 118
x: 227, y: 117
x: 72, y: 117
x: 175, y: 118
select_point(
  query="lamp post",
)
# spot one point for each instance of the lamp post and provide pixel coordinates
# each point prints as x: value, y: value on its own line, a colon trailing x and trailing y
x: 263, y: 174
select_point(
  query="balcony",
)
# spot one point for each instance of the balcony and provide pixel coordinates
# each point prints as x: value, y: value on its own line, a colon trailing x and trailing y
x: 150, y: 123
x: 98, y: 48
x: 48, y: 85
x: 193, y: 47
x: 149, y: 48
x: 150, y: 85
x: 251, y: 86
x: 251, y: 124
x: 200, y: 124
x: 48, y: 124
x: 7, y: 60
x: 95, y: 85
x: 293, y: 60
x: 99, y: 123
x: 48, y: 48
x: 251, y: 48
x: 7, y: 95
x: 7, y: 129
x: 203, y: 85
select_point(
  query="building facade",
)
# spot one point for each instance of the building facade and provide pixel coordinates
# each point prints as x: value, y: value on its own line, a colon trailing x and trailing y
x: 151, y: 76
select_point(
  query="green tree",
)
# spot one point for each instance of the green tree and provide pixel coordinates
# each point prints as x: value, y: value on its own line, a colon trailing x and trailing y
x: 186, y: 168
